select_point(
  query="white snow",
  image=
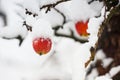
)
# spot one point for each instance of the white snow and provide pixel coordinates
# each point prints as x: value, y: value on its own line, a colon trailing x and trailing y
x: 66, y: 28
x: 53, y: 17
x: 30, y: 20
x: 1, y: 22
x: 114, y: 70
x: 43, y: 2
x: 93, y: 27
x: 31, y: 5
x: 100, y: 55
x: 106, y: 62
x: 79, y: 59
x: 97, y: 7
x: 66, y: 60
x: 11, y: 32
x: 42, y: 28
x: 79, y: 10
x: 103, y: 78
x: 93, y: 75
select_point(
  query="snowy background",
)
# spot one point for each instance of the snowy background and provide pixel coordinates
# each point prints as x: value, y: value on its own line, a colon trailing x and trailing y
x: 66, y: 59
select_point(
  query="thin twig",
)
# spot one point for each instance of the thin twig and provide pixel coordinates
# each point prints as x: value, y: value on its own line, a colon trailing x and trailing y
x: 29, y: 28
x: 19, y: 37
x: 93, y: 51
x: 93, y: 1
x: 62, y: 14
x: 49, y: 6
x: 30, y: 13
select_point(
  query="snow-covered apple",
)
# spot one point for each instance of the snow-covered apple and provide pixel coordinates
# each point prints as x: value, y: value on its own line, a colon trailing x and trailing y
x: 42, y: 45
x: 81, y: 28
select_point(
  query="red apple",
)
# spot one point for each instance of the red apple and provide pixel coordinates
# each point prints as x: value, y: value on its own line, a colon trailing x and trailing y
x: 42, y: 45
x: 81, y: 28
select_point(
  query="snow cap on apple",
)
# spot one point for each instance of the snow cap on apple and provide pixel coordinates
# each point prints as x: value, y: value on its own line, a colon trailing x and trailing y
x: 42, y: 36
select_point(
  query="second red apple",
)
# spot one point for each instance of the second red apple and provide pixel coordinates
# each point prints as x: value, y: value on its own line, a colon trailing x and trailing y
x: 81, y: 28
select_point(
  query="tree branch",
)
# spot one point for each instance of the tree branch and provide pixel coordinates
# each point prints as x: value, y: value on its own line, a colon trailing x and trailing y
x: 30, y: 13
x: 19, y: 37
x: 64, y: 17
x: 93, y: 51
x: 49, y: 6
x: 93, y: 1
x: 4, y: 18
x: 29, y: 28
x: 102, y: 28
x: 72, y: 36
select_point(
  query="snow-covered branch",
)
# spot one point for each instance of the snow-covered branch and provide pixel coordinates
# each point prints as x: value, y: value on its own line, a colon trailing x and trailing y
x: 72, y: 35
x: 49, y: 6
x: 4, y: 18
